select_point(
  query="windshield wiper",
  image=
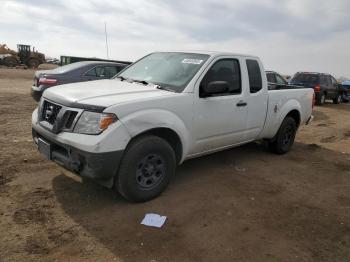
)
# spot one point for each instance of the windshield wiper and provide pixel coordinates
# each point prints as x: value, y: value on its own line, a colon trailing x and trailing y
x: 122, y: 78
x: 140, y: 81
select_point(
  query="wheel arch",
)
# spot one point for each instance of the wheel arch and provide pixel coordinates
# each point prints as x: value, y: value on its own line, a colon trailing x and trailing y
x: 295, y: 114
x: 168, y: 135
x: 162, y: 123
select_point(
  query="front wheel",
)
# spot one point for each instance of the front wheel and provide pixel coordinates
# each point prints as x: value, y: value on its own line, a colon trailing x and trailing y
x: 337, y: 99
x: 284, y: 139
x: 33, y: 63
x: 146, y: 169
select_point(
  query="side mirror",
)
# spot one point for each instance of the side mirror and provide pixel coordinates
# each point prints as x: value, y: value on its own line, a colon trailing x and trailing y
x: 215, y: 87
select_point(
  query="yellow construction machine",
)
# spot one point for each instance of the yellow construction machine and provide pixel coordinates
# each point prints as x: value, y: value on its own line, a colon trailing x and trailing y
x: 24, y: 55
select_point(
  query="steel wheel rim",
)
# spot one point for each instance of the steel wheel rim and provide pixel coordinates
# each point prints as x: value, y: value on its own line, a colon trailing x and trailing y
x: 287, y: 136
x: 150, y: 171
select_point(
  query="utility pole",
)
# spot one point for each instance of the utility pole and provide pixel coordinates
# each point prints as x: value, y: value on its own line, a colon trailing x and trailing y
x: 106, y: 40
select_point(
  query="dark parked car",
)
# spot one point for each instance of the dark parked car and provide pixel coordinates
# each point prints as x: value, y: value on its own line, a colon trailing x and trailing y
x: 75, y: 72
x: 325, y: 86
x: 275, y: 80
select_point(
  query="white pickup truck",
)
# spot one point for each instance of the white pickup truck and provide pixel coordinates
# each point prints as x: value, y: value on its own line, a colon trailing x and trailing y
x: 132, y: 131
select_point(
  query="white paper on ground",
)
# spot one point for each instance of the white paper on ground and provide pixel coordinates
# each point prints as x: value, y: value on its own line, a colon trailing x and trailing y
x: 153, y: 220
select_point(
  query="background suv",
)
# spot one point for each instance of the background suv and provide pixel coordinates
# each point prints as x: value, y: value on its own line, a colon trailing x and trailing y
x: 324, y: 85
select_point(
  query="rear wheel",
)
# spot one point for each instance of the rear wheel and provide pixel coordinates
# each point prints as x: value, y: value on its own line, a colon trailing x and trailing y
x: 321, y: 99
x: 10, y: 61
x: 337, y: 99
x: 284, y: 139
x: 146, y: 169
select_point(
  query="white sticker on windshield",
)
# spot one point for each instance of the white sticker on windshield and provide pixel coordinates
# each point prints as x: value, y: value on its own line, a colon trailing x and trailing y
x: 192, y: 61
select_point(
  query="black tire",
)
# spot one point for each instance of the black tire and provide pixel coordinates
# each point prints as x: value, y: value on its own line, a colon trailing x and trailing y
x: 284, y: 139
x: 337, y: 99
x: 10, y: 61
x: 321, y: 99
x: 146, y: 169
x: 33, y: 63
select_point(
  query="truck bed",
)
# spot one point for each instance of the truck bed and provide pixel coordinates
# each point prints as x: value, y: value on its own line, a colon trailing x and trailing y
x: 281, y: 102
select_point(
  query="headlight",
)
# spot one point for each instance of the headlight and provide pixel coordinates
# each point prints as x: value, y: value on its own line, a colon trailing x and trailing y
x: 92, y: 123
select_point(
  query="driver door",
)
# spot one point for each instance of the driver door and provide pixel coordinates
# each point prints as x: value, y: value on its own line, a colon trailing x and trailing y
x: 219, y: 119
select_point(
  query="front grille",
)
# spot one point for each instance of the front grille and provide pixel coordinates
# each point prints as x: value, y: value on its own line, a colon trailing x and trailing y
x: 71, y: 115
x: 57, y: 118
x: 50, y: 112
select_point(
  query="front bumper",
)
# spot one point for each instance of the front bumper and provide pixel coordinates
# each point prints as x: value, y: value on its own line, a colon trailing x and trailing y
x: 101, y: 167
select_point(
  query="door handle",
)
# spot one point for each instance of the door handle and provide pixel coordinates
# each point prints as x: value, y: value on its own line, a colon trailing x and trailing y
x: 241, y: 103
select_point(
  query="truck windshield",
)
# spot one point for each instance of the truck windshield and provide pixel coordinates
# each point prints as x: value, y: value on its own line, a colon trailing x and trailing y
x: 171, y: 70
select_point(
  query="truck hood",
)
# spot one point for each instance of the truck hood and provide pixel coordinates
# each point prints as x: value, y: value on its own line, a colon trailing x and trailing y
x: 102, y: 93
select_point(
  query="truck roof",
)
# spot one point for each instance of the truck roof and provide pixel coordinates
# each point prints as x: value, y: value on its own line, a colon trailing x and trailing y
x: 312, y: 73
x: 211, y: 53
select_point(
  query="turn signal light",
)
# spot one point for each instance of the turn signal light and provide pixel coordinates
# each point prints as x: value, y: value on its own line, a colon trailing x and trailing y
x: 317, y: 88
x: 47, y: 81
x: 106, y: 120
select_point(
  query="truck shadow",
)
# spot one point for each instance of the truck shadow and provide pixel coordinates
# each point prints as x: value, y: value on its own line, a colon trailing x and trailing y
x: 116, y: 223
x: 199, y: 204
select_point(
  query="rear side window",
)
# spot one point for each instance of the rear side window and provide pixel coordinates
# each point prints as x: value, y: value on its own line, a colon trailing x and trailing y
x: 91, y: 72
x: 271, y: 78
x: 96, y: 71
x: 305, y: 78
x: 254, y: 73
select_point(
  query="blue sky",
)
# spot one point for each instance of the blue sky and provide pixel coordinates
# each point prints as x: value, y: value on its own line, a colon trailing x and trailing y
x: 289, y: 35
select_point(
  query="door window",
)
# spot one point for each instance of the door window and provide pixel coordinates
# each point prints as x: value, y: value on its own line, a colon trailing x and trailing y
x: 329, y: 81
x: 334, y: 82
x: 254, y: 73
x: 110, y: 71
x: 227, y: 70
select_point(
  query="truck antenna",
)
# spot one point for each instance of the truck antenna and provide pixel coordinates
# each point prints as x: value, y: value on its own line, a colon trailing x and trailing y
x: 106, y: 40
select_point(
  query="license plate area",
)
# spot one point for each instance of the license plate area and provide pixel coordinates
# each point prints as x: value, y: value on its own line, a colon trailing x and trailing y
x: 44, y: 148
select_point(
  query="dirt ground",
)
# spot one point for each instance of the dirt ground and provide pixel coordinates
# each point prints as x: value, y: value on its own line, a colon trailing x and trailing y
x: 243, y: 204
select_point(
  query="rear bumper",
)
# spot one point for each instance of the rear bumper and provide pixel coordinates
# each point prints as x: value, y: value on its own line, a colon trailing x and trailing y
x: 37, y: 91
x: 101, y: 167
x: 309, y: 121
x: 36, y: 95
